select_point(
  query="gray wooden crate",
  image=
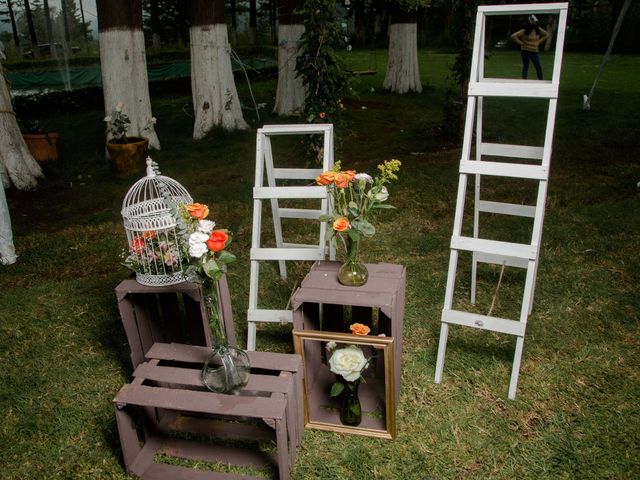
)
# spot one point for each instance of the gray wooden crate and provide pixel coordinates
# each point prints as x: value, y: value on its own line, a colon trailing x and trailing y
x: 322, y: 303
x: 174, y: 313
x: 167, y: 396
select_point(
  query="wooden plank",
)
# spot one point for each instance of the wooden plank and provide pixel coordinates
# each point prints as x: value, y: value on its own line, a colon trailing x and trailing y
x: 502, y: 169
x: 517, y: 250
x: 307, y: 254
x: 296, y: 129
x: 513, y: 88
x: 524, y: 9
x: 198, y: 451
x: 483, y: 322
x: 271, y: 316
x: 511, y: 151
x: 222, y: 429
x: 504, y: 208
x: 201, y: 402
x: 163, y: 471
x: 297, y: 193
x: 501, y: 260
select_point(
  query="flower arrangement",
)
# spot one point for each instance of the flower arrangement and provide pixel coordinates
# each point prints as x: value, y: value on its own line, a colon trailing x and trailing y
x: 196, y: 248
x: 118, y: 125
x: 355, y: 200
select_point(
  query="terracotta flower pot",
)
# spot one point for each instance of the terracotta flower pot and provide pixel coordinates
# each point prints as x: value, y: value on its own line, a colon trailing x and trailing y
x: 43, y: 146
x: 128, y: 158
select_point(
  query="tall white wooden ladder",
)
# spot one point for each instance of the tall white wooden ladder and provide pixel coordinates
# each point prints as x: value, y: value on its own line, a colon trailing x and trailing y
x: 273, y: 192
x: 535, y: 167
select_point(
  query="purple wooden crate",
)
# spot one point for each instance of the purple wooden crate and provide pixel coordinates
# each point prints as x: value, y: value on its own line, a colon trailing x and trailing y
x: 167, y: 396
x: 379, y: 304
x: 174, y: 313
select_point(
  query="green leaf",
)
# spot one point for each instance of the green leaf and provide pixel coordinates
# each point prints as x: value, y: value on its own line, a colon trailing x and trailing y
x: 382, y: 205
x: 364, y: 227
x: 212, y: 269
x: 353, y: 205
x: 226, y: 257
x: 336, y: 389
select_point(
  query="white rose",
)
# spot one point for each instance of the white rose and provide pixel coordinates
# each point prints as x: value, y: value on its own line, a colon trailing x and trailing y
x: 119, y: 106
x: 108, y: 118
x: 198, y: 249
x: 363, y: 176
x: 382, y: 195
x: 348, y: 362
x: 197, y: 237
x: 154, y: 120
x: 206, y: 226
x: 331, y: 346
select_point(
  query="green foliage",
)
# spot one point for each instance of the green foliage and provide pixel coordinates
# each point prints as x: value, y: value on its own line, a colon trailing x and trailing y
x: 322, y: 71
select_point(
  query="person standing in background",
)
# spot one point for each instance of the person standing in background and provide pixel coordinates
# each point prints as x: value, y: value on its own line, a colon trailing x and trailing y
x: 529, y: 39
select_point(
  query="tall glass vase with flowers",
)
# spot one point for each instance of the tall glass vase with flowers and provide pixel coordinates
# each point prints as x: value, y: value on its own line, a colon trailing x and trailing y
x: 355, y: 199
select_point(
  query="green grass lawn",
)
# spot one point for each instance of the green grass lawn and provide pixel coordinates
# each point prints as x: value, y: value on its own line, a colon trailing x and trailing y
x: 577, y: 413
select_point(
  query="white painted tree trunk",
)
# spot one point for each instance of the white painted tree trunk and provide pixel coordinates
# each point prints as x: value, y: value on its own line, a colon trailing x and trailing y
x: 7, y: 250
x: 17, y: 165
x: 124, y: 79
x: 403, y: 72
x: 290, y: 93
x: 215, y: 98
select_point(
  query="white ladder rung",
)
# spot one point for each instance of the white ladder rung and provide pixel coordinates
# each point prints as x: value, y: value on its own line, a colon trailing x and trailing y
x: 295, y: 129
x: 504, y: 208
x: 296, y: 173
x: 512, y: 151
x: 300, y: 213
x: 517, y: 250
x: 514, y: 88
x: 265, y: 193
x: 525, y: 8
x: 501, y: 260
x: 270, y: 316
x: 502, y: 169
x: 475, y: 320
x: 311, y: 254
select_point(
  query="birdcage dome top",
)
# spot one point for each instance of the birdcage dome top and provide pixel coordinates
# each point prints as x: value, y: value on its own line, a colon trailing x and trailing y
x: 147, y: 204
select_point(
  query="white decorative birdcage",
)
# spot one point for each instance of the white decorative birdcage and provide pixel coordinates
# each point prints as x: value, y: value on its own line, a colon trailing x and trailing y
x: 153, y: 239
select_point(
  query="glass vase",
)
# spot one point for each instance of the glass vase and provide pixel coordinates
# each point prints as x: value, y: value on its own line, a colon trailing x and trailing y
x: 226, y: 370
x: 352, y: 273
x: 351, y: 410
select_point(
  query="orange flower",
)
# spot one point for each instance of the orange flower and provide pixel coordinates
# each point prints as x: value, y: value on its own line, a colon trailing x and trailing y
x: 198, y: 210
x: 342, y: 179
x: 341, y: 224
x: 326, y: 178
x: 151, y: 234
x: 137, y: 244
x: 359, y: 329
x: 322, y: 115
x: 351, y: 173
x: 217, y: 240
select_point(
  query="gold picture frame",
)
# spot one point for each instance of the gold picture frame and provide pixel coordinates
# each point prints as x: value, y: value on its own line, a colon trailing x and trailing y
x: 377, y: 392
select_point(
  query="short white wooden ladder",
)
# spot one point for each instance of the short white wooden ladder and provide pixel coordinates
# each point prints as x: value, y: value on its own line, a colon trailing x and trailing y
x: 494, y: 251
x: 273, y: 192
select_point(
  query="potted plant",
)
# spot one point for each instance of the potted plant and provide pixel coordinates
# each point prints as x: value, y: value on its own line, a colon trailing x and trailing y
x: 127, y: 154
x: 42, y: 144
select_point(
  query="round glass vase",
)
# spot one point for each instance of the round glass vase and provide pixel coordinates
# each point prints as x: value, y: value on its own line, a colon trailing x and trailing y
x: 351, y: 409
x: 226, y: 370
x: 352, y: 273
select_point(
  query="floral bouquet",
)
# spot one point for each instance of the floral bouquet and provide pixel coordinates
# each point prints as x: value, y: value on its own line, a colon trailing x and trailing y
x: 118, y: 125
x: 355, y: 199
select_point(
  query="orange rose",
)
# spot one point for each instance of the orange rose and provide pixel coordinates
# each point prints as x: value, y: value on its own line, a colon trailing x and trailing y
x: 217, y: 240
x: 197, y: 210
x: 322, y: 115
x: 137, y: 244
x: 151, y: 234
x: 326, y: 178
x: 359, y: 329
x: 341, y: 224
x: 342, y: 179
x: 351, y: 173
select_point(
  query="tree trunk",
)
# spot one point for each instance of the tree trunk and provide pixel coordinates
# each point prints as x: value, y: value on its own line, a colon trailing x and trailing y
x: 65, y: 24
x: 84, y: 24
x: 7, y: 250
x: 124, y: 65
x: 360, y: 22
x: 290, y: 92
x: 215, y: 98
x: 14, y: 28
x: 32, y: 31
x: 47, y: 20
x: 17, y: 166
x: 154, y: 20
x: 403, y: 72
x: 253, y: 22
x: 552, y: 26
